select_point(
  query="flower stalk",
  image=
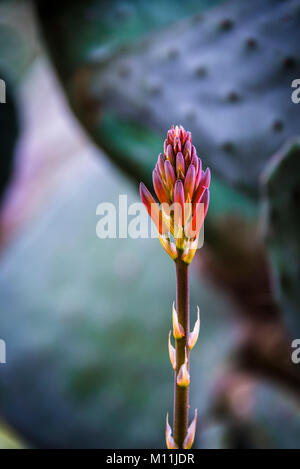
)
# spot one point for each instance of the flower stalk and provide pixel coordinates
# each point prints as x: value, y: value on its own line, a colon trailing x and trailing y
x: 182, y: 188
x: 181, y: 386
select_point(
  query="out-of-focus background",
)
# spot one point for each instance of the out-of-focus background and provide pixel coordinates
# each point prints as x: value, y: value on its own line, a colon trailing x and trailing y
x: 92, y: 86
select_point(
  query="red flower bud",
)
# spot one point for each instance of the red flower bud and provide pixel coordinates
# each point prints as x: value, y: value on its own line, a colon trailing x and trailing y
x: 205, y: 181
x: 159, y: 187
x: 170, y: 154
x: 170, y: 176
x: 160, y: 162
x: 187, y: 151
x: 189, y: 182
x: 180, y: 166
x: 153, y: 209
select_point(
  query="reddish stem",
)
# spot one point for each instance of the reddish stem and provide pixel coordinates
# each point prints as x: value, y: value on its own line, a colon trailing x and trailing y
x: 181, y: 394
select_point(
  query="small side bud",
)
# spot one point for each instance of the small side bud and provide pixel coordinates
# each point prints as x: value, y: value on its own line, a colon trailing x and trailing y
x: 168, y: 246
x: 169, y: 439
x: 190, y: 436
x: 190, y: 251
x: 178, y: 330
x: 183, y: 377
x: 172, y: 353
x: 193, y: 337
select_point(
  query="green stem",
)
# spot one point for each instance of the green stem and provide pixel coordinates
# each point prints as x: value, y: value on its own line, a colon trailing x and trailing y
x: 181, y: 394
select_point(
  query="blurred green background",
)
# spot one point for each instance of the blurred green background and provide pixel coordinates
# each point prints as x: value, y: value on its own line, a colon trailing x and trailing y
x: 92, y: 87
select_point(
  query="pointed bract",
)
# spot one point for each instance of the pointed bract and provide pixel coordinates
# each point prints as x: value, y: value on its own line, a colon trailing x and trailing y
x: 190, y: 251
x: 168, y: 246
x: 193, y: 336
x: 178, y: 330
x: 169, y: 439
x: 183, y: 377
x: 172, y: 353
x: 190, y: 436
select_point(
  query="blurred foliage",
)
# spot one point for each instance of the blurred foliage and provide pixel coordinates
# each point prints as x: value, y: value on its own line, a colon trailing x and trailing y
x: 17, y: 53
x: 280, y: 216
x: 89, y: 355
x: 9, y: 131
x: 8, y: 438
x: 108, y: 25
x: 17, y: 39
x: 226, y: 75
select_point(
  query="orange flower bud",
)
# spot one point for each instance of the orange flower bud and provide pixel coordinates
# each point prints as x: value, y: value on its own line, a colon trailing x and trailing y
x: 178, y: 178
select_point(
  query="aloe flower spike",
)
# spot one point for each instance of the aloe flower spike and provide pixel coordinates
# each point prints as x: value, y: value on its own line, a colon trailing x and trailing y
x: 182, y: 188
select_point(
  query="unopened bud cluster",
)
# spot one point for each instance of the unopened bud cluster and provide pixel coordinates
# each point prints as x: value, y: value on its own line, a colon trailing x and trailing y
x: 182, y: 188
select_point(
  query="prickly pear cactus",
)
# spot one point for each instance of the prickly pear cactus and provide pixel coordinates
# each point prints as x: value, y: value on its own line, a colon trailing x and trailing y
x: 226, y: 75
x: 280, y: 216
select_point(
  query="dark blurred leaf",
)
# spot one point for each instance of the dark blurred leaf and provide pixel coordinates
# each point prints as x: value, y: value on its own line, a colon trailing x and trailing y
x: 9, y: 132
x: 280, y: 216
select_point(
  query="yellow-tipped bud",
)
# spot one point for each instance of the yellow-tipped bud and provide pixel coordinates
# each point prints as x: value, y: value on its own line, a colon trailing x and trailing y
x: 169, y: 439
x: 193, y: 337
x: 190, y: 251
x: 183, y: 377
x: 172, y: 353
x: 178, y: 330
x: 187, y: 210
x: 168, y: 246
x: 190, y: 436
